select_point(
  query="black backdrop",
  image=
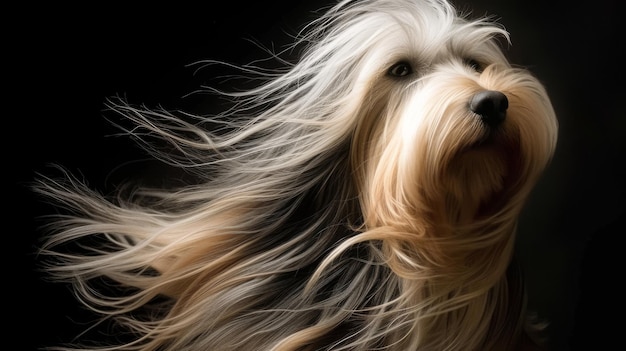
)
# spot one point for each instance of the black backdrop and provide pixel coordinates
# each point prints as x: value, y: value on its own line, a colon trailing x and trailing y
x: 61, y: 63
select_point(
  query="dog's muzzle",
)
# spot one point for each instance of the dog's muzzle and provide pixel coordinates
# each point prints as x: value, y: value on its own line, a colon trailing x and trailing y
x: 491, y: 105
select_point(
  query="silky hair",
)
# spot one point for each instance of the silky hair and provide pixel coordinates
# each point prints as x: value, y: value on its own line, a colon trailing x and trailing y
x: 339, y: 206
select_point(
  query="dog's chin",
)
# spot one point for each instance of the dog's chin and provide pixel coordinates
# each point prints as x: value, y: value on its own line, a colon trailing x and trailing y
x: 486, y: 172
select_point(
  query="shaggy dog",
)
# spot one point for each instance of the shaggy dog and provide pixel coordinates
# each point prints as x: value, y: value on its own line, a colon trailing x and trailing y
x: 363, y: 198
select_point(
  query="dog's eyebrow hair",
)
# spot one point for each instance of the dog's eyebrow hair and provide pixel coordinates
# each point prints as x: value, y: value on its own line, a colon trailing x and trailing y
x: 364, y: 196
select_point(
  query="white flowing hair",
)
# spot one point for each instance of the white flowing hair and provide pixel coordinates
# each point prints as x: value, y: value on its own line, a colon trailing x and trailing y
x: 270, y: 250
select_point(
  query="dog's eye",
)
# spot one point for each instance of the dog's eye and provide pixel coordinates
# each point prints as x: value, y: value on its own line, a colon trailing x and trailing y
x: 400, y: 69
x: 473, y: 64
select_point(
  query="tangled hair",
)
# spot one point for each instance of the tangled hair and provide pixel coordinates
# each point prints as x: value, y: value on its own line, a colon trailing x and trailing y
x: 309, y: 228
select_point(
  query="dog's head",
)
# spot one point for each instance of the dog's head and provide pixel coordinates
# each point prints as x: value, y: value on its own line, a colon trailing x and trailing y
x: 443, y: 125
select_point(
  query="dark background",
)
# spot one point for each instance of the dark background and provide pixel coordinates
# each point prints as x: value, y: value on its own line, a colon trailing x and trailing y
x: 61, y: 63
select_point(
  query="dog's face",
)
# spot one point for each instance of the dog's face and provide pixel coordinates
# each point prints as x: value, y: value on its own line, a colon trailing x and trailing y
x: 446, y: 129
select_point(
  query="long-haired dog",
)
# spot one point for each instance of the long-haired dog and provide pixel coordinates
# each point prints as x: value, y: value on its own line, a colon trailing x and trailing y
x: 363, y: 198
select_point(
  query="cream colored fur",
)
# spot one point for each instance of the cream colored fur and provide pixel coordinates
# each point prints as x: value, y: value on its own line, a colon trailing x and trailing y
x: 341, y: 205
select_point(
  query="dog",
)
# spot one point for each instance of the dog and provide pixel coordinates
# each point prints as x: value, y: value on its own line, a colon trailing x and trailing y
x: 365, y: 197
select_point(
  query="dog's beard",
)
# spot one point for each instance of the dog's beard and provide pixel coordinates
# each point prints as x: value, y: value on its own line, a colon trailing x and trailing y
x: 477, y: 178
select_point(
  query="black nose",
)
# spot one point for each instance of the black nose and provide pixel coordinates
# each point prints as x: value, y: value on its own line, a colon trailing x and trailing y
x: 490, y: 105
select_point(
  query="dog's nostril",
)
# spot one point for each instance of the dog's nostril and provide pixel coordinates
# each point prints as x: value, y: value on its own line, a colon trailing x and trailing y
x: 490, y: 105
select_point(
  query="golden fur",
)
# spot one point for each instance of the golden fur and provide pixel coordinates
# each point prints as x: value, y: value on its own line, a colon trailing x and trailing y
x: 352, y: 201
